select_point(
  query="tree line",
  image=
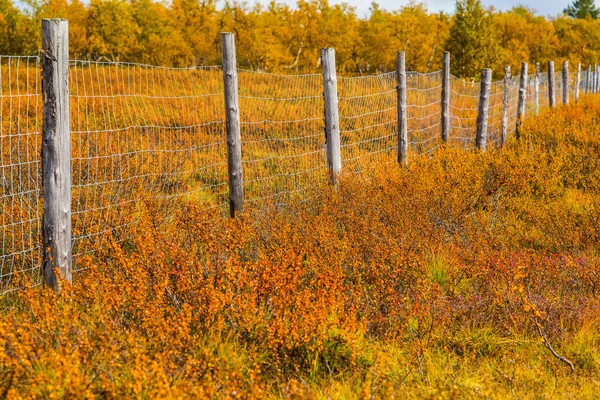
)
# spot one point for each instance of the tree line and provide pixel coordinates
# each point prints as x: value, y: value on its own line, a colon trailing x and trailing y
x: 281, y: 38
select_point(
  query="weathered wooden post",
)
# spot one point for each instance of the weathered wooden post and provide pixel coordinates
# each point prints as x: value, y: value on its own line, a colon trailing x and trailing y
x: 536, y: 87
x: 402, y: 117
x: 577, y: 83
x: 504, y: 129
x: 332, y: 116
x: 446, y: 96
x: 551, y: 95
x: 522, y: 99
x: 56, y: 153
x: 232, y: 118
x: 482, y: 114
x: 565, y: 82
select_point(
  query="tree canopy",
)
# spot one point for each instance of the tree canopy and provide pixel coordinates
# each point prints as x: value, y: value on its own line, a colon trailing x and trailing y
x: 582, y: 9
x: 472, y: 42
x: 282, y: 38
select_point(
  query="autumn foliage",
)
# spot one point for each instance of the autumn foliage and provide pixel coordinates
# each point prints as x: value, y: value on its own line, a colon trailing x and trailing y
x: 457, y: 276
x: 281, y: 38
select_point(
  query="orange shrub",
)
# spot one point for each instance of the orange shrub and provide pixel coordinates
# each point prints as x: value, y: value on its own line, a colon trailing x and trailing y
x: 443, y: 279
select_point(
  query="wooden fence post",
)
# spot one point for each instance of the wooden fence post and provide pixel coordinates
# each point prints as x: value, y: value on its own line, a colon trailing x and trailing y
x: 577, y: 83
x: 551, y: 94
x: 232, y: 117
x: 56, y: 153
x: 565, y: 82
x: 522, y: 99
x: 536, y: 87
x: 482, y: 114
x: 402, y: 117
x: 332, y: 116
x: 504, y: 128
x: 446, y: 96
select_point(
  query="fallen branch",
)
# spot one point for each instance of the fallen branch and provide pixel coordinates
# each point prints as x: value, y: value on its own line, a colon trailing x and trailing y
x: 549, y: 347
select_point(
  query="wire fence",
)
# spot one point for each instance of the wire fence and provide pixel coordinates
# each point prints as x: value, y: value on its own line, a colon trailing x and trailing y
x: 368, y: 109
x: 424, y: 111
x: 20, y: 165
x: 282, y: 135
x: 140, y: 130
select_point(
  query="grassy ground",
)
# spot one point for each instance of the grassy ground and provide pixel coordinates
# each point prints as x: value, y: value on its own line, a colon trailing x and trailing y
x: 464, y: 275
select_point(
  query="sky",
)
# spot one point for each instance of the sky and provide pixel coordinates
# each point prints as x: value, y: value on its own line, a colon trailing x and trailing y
x: 543, y: 7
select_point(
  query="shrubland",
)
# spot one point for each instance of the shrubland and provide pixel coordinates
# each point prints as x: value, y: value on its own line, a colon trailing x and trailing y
x: 463, y: 275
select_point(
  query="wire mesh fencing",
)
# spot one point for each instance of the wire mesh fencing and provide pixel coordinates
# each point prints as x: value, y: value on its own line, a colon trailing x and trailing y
x: 424, y: 111
x: 513, y: 104
x: 141, y: 131
x: 368, y: 121
x: 544, y: 97
x: 583, y: 80
x: 20, y: 165
x: 282, y: 135
x: 464, y: 99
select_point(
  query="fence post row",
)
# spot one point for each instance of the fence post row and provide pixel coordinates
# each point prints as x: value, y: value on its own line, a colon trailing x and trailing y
x: 446, y: 96
x: 536, y: 86
x: 332, y: 116
x: 577, y: 83
x: 551, y: 95
x: 232, y: 118
x: 56, y: 143
x: 402, y: 117
x: 565, y: 82
x: 482, y: 113
x: 56, y: 153
x: 522, y: 99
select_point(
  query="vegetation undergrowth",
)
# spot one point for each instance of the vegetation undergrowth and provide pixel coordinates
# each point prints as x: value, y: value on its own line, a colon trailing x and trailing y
x: 463, y: 275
